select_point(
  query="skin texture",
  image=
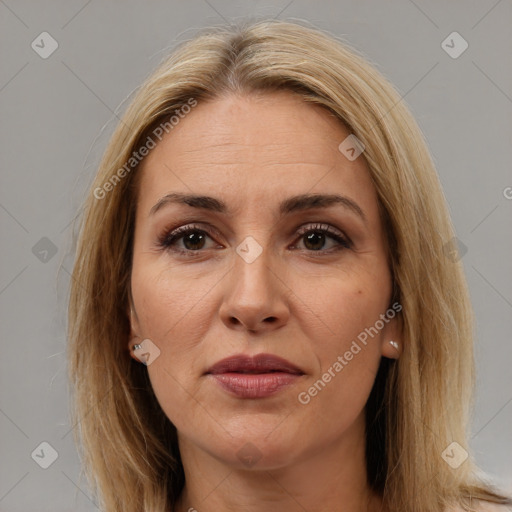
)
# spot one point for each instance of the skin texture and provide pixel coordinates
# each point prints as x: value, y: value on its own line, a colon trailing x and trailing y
x: 302, y: 304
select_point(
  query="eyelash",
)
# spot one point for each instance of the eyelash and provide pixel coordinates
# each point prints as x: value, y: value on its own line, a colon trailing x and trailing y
x: 168, y: 239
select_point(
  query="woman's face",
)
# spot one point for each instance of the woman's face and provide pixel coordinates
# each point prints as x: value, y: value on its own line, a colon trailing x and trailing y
x: 256, y: 273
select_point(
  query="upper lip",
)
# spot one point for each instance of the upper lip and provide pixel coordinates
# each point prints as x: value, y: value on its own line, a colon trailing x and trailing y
x: 260, y: 363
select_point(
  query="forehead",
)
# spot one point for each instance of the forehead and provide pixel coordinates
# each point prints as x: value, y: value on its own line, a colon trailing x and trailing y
x: 263, y: 124
x: 264, y: 145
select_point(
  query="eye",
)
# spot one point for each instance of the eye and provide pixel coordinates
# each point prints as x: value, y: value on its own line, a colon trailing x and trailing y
x: 316, y: 235
x: 192, y: 237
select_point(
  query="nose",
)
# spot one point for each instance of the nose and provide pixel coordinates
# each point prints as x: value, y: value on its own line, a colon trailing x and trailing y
x: 255, y: 297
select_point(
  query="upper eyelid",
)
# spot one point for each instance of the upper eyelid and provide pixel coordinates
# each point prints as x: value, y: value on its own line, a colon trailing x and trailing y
x: 207, y: 227
x: 210, y: 230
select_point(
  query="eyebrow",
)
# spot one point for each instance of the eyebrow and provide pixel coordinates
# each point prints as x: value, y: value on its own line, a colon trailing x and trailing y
x: 290, y: 205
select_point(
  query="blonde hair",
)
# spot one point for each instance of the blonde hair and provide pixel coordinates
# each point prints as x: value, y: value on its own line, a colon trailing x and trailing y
x: 419, y: 404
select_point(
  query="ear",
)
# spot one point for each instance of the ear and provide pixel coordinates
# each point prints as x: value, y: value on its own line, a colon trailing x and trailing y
x: 134, y: 337
x: 392, y: 338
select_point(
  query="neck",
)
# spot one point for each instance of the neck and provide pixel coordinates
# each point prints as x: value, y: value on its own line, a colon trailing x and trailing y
x: 329, y: 479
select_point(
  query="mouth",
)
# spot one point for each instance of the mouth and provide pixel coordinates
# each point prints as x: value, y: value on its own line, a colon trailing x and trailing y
x: 254, y: 377
x: 261, y: 363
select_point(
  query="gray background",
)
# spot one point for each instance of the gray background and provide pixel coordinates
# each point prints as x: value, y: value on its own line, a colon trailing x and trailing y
x: 57, y: 115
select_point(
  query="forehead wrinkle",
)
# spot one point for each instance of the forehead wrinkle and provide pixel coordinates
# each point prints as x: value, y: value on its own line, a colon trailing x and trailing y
x: 225, y: 145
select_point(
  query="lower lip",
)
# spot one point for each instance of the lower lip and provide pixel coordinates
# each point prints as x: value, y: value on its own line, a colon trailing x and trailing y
x: 259, y: 385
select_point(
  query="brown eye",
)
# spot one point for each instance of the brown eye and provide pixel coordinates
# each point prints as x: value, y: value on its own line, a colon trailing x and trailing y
x: 314, y: 241
x: 315, y: 238
x: 192, y: 239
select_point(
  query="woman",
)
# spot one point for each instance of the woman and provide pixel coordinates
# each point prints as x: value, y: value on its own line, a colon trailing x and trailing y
x: 267, y: 234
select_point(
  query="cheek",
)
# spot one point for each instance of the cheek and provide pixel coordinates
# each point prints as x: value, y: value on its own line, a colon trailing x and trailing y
x: 345, y: 332
x: 173, y: 310
x: 348, y: 354
x: 344, y: 307
x: 168, y: 299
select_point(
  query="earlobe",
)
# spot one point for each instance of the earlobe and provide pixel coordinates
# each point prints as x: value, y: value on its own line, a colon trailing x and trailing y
x: 133, y: 345
x: 134, y: 338
x: 391, y: 349
x: 133, y: 342
x: 392, y: 345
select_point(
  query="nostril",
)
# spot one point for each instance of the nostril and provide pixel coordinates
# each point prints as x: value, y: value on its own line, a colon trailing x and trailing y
x: 235, y: 321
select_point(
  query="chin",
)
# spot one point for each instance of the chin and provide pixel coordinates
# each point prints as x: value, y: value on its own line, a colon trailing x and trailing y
x: 258, y: 455
x: 256, y: 446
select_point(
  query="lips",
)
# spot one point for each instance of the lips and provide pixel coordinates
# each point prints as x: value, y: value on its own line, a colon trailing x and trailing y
x: 261, y: 363
x: 260, y: 376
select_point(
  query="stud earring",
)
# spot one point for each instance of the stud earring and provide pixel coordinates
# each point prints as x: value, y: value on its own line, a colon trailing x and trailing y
x: 136, y: 347
x: 394, y: 344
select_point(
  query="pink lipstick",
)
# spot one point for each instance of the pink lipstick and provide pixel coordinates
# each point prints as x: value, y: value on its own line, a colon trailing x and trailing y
x: 254, y: 377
